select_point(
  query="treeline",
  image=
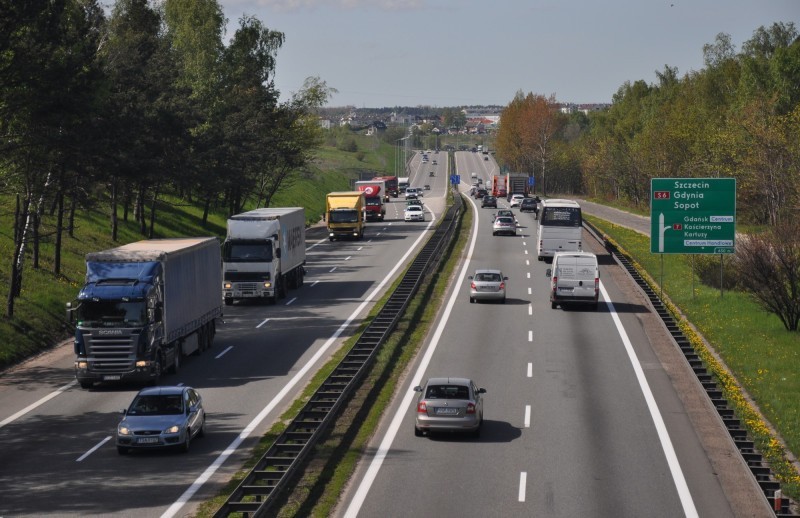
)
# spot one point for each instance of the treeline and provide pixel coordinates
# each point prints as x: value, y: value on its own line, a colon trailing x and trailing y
x: 737, y: 117
x: 120, y: 109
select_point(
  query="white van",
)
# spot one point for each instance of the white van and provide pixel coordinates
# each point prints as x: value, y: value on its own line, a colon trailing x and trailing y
x: 574, y: 277
x: 560, y: 229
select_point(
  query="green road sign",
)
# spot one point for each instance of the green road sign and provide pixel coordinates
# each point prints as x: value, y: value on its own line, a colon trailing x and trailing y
x: 692, y: 215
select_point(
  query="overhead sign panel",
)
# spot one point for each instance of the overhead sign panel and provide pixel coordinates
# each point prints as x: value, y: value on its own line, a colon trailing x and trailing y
x: 692, y: 215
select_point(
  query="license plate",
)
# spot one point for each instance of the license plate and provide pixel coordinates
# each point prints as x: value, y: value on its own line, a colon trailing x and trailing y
x: 148, y: 440
x: 446, y: 411
x: 564, y: 289
x: 486, y: 288
x: 112, y: 377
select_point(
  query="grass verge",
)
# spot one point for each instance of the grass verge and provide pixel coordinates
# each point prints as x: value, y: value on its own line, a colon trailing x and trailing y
x: 752, y: 356
x: 322, y: 479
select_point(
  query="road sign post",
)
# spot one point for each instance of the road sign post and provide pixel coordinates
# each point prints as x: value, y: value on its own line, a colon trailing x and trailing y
x: 692, y: 215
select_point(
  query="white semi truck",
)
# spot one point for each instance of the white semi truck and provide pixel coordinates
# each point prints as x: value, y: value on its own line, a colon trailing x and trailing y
x: 264, y: 254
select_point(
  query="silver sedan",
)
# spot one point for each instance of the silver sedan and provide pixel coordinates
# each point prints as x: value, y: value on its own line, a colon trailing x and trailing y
x: 449, y: 405
x: 487, y: 285
x: 504, y: 225
x: 160, y: 417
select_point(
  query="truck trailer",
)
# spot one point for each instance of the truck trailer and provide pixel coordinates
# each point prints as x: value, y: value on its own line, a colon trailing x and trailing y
x: 391, y: 187
x: 373, y: 198
x: 264, y: 254
x: 499, y: 187
x: 345, y: 214
x: 402, y: 184
x: 517, y: 183
x: 143, y: 306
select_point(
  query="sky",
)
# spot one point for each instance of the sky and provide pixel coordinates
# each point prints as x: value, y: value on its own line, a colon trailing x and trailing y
x: 442, y: 53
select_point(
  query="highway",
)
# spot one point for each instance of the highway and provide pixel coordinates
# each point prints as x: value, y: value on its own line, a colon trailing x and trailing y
x: 57, y: 452
x: 581, y: 417
x: 582, y: 414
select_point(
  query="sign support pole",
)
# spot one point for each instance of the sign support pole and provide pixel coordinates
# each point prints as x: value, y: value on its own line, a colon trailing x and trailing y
x: 662, y: 277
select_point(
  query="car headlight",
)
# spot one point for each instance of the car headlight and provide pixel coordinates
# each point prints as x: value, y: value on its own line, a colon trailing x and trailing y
x: 173, y: 429
x: 123, y: 430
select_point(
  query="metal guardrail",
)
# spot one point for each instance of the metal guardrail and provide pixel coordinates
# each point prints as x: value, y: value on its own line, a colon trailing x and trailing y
x: 754, y: 460
x: 273, y: 472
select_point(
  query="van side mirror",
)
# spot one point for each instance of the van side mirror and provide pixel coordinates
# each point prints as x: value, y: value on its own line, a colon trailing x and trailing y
x: 548, y: 273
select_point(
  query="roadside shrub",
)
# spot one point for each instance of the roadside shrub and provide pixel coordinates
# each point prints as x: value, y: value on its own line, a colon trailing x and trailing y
x: 770, y: 263
x: 706, y: 267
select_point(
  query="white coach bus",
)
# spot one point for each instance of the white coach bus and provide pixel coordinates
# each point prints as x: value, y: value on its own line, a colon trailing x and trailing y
x: 559, y: 228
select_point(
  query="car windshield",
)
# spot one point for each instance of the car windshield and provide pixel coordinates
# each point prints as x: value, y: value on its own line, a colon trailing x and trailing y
x: 505, y: 221
x: 171, y: 404
x: 447, y: 392
x: 488, y: 277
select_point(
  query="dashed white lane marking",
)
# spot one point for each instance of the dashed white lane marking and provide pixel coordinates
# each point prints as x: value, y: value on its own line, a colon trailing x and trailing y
x: 223, y: 353
x: 348, y: 257
x: 530, y: 336
x: 529, y: 291
x: 333, y: 269
x: 523, y: 480
x: 530, y: 309
x: 530, y: 369
x: 314, y: 283
x: 295, y: 298
x: 527, y: 416
x: 262, y: 323
x: 94, y: 449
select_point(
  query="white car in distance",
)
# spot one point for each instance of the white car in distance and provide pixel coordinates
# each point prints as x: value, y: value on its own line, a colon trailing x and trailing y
x: 414, y: 213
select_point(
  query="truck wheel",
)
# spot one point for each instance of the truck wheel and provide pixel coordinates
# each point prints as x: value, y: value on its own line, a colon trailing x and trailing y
x: 331, y: 239
x: 86, y: 384
x: 176, y: 363
x: 122, y: 450
x: 159, y: 370
x: 553, y: 305
x: 228, y: 301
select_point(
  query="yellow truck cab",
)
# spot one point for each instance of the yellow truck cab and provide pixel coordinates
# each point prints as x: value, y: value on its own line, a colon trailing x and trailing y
x: 346, y: 214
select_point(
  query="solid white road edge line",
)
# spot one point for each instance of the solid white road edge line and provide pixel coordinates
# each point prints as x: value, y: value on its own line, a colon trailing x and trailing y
x: 375, y: 466
x: 663, y: 435
x: 203, y: 478
x: 14, y: 417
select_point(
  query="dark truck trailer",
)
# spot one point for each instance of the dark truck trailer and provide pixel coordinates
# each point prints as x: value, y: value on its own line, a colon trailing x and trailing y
x: 143, y: 306
x: 517, y: 183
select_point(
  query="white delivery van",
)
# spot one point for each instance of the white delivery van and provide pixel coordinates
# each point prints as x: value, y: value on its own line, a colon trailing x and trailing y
x: 574, y: 278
